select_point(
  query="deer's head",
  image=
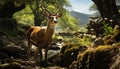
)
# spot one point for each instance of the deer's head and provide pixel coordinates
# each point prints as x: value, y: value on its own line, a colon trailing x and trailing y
x: 51, y: 17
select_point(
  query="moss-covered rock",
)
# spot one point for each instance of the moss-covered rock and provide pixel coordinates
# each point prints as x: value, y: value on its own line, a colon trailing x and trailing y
x: 98, y: 41
x: 97, y: 58
x: 68, y: 53
x: 114, y: 37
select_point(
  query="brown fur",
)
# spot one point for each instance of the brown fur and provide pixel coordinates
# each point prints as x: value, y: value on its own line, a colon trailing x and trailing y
x: 41, y: 37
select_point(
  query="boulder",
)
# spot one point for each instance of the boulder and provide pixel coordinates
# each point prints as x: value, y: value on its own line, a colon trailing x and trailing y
x: 101, y: 57
x: 14, y: 51
x: 69, y: 52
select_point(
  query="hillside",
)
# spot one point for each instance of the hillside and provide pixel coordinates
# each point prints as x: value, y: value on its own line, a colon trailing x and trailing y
x: 84, y: 18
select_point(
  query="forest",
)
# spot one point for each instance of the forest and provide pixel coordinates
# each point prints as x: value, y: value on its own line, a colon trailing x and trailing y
x: 41, y: 34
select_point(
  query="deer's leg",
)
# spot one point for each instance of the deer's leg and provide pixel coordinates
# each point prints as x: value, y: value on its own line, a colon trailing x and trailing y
x: 28, y: 49
x: 46, y: 50
x: 38, y: 56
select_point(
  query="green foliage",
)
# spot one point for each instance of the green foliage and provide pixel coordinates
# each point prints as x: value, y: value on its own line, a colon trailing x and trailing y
x: 80, y: 39
x: 107, y: 28
x: 63, y: 2
x: 27, y: 16
x: 86, y: 40
x: 24, y: 16
x: 68, y: 21
x: 38, y: 14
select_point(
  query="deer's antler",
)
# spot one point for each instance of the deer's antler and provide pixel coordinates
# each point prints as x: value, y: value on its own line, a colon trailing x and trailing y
x: 44, y: 9
x: 59, y: 12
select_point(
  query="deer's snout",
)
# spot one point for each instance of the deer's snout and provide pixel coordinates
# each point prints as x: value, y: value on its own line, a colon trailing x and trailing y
x: 55, y: 19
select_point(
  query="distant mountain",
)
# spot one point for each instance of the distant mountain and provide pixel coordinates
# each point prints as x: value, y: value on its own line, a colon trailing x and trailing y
x: 84, y: 18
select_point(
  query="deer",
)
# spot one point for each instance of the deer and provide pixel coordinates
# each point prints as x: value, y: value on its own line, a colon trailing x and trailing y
x: 41, y: 37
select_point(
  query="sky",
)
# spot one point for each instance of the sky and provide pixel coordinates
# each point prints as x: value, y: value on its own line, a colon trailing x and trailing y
x: 81, y: 6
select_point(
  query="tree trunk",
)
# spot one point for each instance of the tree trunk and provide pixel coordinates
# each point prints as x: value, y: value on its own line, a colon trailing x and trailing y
x: 37, y: 19
x: 9, y: 8
x: 108, y: 9
x: 37, y: 13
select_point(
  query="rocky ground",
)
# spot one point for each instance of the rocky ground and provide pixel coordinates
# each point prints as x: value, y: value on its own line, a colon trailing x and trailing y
x: 13, y: 54
x: 70, y: 56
